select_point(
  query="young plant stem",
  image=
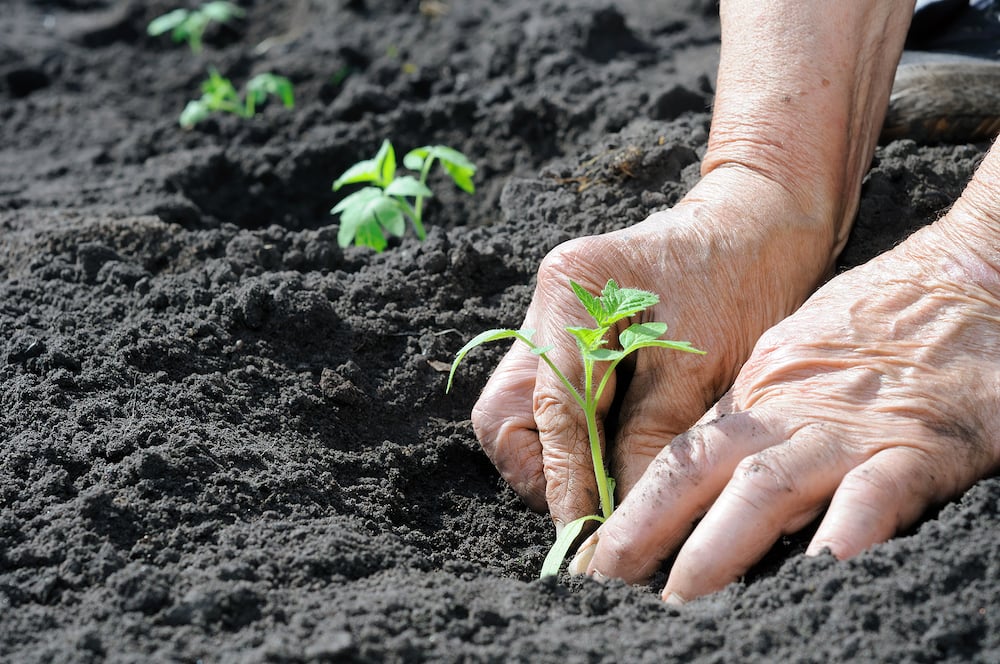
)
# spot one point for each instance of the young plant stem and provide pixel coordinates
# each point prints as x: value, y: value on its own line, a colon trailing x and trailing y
x: 418, y: 205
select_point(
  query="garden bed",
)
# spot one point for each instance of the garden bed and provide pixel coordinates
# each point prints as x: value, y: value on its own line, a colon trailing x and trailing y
x: 225, y: 439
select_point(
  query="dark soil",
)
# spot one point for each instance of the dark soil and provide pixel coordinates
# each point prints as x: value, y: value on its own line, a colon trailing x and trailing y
x: 225, y: 439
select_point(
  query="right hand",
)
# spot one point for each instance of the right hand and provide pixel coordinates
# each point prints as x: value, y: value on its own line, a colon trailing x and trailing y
x: 734, y: 257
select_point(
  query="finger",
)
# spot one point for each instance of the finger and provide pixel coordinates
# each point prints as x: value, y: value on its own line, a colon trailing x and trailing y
x: 776, y: 491
x: 677, y: 488
x: 885, y: 494
x: 504, y: 422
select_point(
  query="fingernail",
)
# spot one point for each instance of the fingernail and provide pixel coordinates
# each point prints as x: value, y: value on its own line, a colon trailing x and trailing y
x: 559, y: 527
x: 675, y: 600
x: 583, y: 556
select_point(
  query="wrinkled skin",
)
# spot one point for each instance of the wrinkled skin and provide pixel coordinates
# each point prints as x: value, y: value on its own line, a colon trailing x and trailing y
x: 530, y: 426
x: 877, y: 398
x: 874, y: 400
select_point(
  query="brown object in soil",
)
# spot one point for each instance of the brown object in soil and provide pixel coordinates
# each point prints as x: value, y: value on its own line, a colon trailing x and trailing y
x: 944, y: 98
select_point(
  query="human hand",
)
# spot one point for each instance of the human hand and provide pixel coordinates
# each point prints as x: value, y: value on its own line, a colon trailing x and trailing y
x: 878, y: 398
x: 737, y: 255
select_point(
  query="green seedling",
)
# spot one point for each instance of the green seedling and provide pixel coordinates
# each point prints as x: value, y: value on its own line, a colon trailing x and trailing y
x: 190, y: 25
x: 220, y: 95
x: 388, y: 201
x: 613, y: 305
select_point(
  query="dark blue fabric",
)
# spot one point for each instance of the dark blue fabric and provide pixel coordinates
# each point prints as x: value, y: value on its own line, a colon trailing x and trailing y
x: 956, y: 26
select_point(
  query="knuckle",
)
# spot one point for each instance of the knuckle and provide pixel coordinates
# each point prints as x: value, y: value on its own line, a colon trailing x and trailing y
x: 762, y: 479
x: 687, y: 456
x: 571, y: 259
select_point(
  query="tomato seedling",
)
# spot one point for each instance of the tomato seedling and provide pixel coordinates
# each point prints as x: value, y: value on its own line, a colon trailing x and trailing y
x: 384, y: 205
x: 219, y: 94
x: 613, y: 305
x: 190, y: 25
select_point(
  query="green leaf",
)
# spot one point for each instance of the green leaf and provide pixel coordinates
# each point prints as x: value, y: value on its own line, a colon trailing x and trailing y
x: 195, y: 111
x: 363, y: 171
x: 619, y: 303
x: 461, y: 176
x: 191, y: 30
x: 363, y: 216
x: 646, y: 335
x: 557, y: 554
x: 408, y: 185
x: 590, y: 302
x: 604, y: 354
x: 221, y: 11
x: 450, y: 156
x: 219, y: 89
x: 456, y: 164
x: 390, y: 215
x: 386, y: 160
x: 541, y: 350
x: 486, y: 337
x: 267, y: 83
x: 414, y: 159
x: 167, y: 22
x: 588, y: 339
x: 640, y: 332
x: 369, y: 235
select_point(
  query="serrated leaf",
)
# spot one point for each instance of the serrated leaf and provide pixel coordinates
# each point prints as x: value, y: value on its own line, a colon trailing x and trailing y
x: 486, y: 337
x: 588, y: 339
x: 557, y: 554
x: 363, y: 171
x: 408, y: 185
x: 619, y: 303
x: 590, y: 302
x: 167, y: 22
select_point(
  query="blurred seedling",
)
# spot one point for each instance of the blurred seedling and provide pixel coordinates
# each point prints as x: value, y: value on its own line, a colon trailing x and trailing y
x: 190, y: 24
x: 613, y: 305
x: 382, y: 207
x: 220, y: 95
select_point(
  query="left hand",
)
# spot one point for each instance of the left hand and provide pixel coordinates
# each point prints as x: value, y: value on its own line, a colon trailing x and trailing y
x: 878, y: 398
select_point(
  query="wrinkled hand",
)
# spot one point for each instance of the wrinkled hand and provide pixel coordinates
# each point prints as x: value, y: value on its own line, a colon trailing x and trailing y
x: 876, y: 399
x: 736, y: 256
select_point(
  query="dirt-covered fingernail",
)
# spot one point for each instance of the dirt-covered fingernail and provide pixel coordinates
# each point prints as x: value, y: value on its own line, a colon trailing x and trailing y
x: 583, y: 556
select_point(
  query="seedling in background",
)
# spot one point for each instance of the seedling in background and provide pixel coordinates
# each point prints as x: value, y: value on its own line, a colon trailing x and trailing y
x: 190, y: 25
x: 611, y: 306
x: 220, y: 95
x: 388, y: 201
